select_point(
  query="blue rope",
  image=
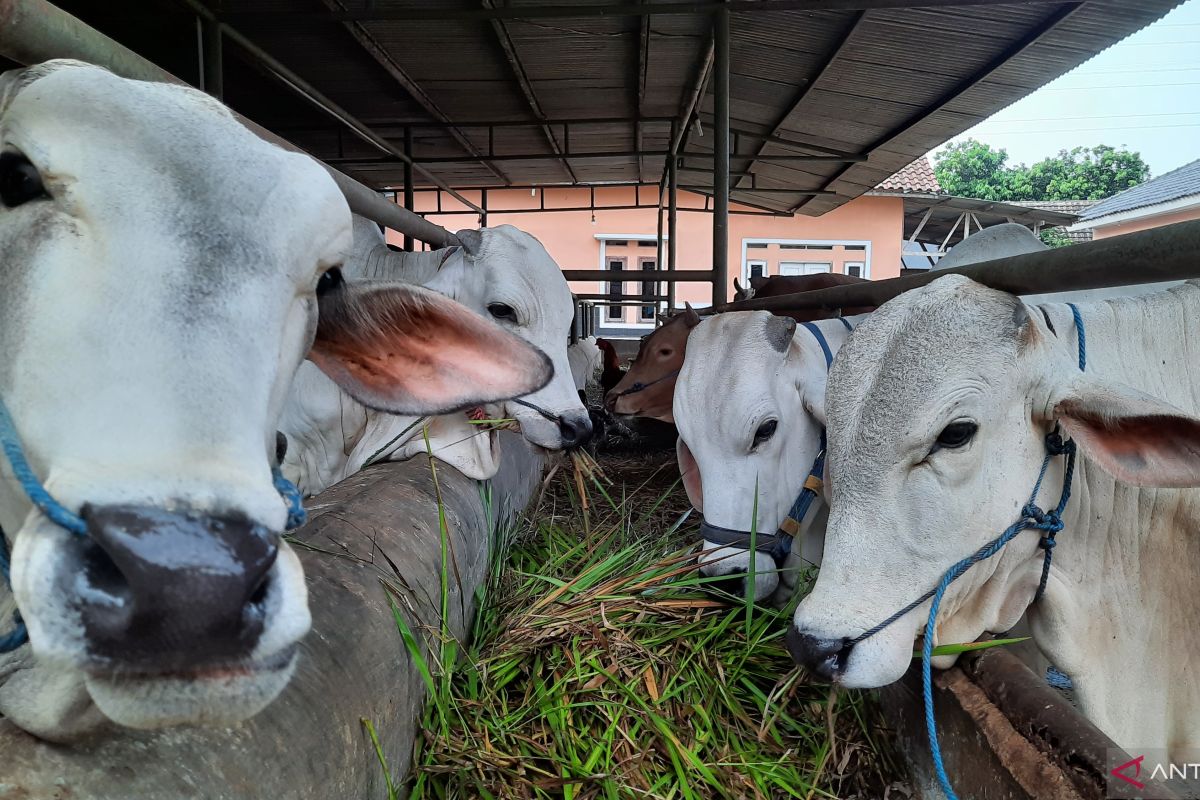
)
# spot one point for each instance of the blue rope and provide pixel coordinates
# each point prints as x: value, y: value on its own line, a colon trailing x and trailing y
x: 1081, y: 336
x: 54, y: 511
x: 33, y: 488
x: 1032, y: 518
x: 292, y: 498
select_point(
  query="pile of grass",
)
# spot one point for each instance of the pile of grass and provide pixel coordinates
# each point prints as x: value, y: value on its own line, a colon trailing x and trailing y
x: 599, y: 668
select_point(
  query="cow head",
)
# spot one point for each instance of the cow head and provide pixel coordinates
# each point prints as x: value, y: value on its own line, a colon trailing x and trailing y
x: 750, y: 408
x: 938, y: 409
x: 163, y: 269
x: 658, y: 361
x: 507, y: 276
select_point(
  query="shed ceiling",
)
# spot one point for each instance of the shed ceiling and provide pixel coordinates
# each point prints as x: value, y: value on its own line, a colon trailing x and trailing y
x: 585, y: 91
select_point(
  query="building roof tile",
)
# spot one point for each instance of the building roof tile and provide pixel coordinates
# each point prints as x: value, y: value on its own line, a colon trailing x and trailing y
x: 1173, y: 185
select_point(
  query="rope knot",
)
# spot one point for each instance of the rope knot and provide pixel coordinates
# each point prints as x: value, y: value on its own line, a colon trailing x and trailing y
x: 1048, y: 542
x: 1049, y: 521
x: 1055, y: 445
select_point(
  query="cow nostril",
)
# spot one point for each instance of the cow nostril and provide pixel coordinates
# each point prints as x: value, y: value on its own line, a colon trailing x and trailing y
x: 259, y: 595
x: 102, y: 573
x: 575, y: 430
x: 825, y: 658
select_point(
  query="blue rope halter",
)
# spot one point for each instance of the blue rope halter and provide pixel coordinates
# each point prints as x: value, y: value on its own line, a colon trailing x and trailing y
x: 1032, y: 518
x: 63, y: 517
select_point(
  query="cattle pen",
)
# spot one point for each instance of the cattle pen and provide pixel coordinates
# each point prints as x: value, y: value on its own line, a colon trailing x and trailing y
x: 541, y: 632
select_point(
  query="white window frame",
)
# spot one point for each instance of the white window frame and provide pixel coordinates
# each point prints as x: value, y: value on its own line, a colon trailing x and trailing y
x: 757, y: 262
x: 866, y: 244
x: 637, y: 322
x: 827, y: 271
x: 846, y: 265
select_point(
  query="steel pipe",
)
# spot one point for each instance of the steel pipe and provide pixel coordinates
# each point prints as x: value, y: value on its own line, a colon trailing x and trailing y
x: 1160, y: 254
x: 662, y: 276
x: 33, y: 31
x: 720, y: 227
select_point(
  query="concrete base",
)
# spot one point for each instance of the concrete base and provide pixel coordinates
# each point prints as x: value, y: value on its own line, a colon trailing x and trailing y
x: 310, y: 743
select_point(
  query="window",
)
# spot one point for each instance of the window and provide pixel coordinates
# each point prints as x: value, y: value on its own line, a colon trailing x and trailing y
x: 617, y: 243
x: 649, y: 288
x: 616, y: 289
x: 756, y: 246
x: 757, y: 268
x: 854, y: 269
x: 856, y: 247
x: 804, y: 267
x: 648, y: 243
x: 805, y: 247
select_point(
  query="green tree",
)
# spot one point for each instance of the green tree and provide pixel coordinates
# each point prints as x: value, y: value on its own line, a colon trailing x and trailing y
x: 974, y: 169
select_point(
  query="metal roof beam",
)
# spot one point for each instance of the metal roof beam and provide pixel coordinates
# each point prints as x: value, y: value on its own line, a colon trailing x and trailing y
x: 270, y: 64
x: 398, y: 74
x: 643, y: 63
x: 594, y: 156
x: 514, y: 61
x: 792, y: 106
x: 1035, y: 35
x: 614, y: 10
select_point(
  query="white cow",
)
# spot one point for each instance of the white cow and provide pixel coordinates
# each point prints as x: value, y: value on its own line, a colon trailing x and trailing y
x: 584, y: 357
x: 501, y: 273
x: 937, y: 412
x: 163, y: 270
x: 750, y: 408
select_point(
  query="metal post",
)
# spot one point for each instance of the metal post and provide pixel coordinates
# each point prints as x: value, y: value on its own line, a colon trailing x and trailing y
x: 672, y: 220
x: 721, y: 158
x: 409, y: 196
x: 658, y: 256
x: 483, y: 220
x: 214, y: 66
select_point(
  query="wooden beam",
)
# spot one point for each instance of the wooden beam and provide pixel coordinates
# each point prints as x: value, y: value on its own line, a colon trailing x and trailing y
x: 1151, y: 256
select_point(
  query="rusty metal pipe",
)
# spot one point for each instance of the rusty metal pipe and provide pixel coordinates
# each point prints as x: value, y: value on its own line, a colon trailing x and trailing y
x: 33, y: 31
x: 1169, y: 253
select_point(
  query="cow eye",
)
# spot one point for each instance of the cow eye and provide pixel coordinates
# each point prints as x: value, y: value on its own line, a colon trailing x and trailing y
x: 502, y: 311
x: 330, y: 280
x: 665, y: 352
x: 19, y: 181
x: 765, y: 431
x: 955, y: 435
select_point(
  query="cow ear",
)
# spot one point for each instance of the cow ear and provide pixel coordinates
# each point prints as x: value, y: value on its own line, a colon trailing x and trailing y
x: 1136, y: 438
x: 689, y: 471
x: 408, y: 350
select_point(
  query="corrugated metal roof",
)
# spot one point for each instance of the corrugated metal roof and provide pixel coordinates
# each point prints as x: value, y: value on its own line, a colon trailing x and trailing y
x: 883, y: 84
x: 1174, y: 185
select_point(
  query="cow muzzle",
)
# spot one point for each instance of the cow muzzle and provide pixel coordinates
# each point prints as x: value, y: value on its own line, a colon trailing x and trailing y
x: 165, y: 591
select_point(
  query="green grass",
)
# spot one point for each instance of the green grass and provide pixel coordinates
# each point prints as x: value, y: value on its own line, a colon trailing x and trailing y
x: 599, y: 669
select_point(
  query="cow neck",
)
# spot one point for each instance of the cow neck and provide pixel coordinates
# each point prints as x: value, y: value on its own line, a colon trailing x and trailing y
x: 1122, y: 544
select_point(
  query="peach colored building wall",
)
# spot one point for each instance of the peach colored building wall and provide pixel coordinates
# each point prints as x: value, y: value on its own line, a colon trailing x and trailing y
x: 867, y: 231
x: 1147, y: 222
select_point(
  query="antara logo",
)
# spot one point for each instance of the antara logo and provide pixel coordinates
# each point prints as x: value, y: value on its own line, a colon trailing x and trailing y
x: 1154, y: 774
x: 1132, y: 780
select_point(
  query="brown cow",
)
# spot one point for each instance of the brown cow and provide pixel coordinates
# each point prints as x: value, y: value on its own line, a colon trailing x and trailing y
x: 649, y: 386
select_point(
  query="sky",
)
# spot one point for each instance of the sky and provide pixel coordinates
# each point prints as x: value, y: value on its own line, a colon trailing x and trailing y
x: 1142, y: 93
